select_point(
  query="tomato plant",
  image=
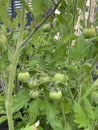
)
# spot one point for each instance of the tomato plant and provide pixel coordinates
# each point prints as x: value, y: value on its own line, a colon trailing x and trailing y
x: 48, y: 73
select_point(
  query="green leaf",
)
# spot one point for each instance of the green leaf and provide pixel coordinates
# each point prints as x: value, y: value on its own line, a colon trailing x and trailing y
x: 26, y: 5
x: 80, y: 116
x: 39, y: 7
x: 59, y: 54
x: 72, y: 71
x: 4, y: 16
x: 19, y: 101
x: 67, y: 103
x: 80, y: 49
x: 68, y: 126
x: 28, y: 127
x: 33, y: 110
x: 2, y: 119
x: 89, y: 109
x: 52, y: 112
x: 96, y: 113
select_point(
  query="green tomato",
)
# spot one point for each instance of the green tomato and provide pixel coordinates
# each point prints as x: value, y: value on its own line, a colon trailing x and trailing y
x: 47, y: 27
x: 23, y: 76
x: 34, y: 94
x: 60, y: 77
x: 55, y: 95
x: 89, y: 32
x: 32, y: 83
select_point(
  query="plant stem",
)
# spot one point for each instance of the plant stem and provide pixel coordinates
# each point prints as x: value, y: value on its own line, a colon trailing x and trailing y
x: 88, y: 21
x: 74, y: 12
x: 12, y: 71
x: 63, y: 114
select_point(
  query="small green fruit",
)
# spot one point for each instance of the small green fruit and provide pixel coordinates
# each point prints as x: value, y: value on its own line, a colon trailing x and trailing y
x: 55, y: 95
x: 32, y: 83
x: 89, y: 32
x: 60, y: 77
x: 23, y: 76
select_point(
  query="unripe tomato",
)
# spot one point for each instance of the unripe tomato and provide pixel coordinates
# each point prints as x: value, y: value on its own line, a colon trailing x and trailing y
x: 89, y: 32
x: 23, y: 76
x: 55, y: 95
x: 32, y: 83
x: 60, y: 77
x: 34, y: 94
x: 47, y: 27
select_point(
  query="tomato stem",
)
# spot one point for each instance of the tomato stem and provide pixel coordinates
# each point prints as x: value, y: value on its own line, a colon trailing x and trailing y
x: 63, y: 113
x: 12, y: 70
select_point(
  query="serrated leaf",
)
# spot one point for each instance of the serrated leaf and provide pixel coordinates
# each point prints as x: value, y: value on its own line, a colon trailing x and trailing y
x: 28, y: 128
x: 60, y: 52
x: 19, y: 101
x: 89, y: 109
x: 73, y: 71
x: 4, y: 16
x: 2, y: 119
x: 58, y: 125
x: 68, y: 126
x: 39, y: 7
x: 33, y: 110
x: 52, y: 112
x: 67, y: 103
x: 80, y: 116
x: 26, y: 5
x: 59, y: 55
x: 80, y: 49
x: 96, y: 113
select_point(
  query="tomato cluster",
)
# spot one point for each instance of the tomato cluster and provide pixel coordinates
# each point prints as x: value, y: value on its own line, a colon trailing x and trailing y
x: 55, y: 92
